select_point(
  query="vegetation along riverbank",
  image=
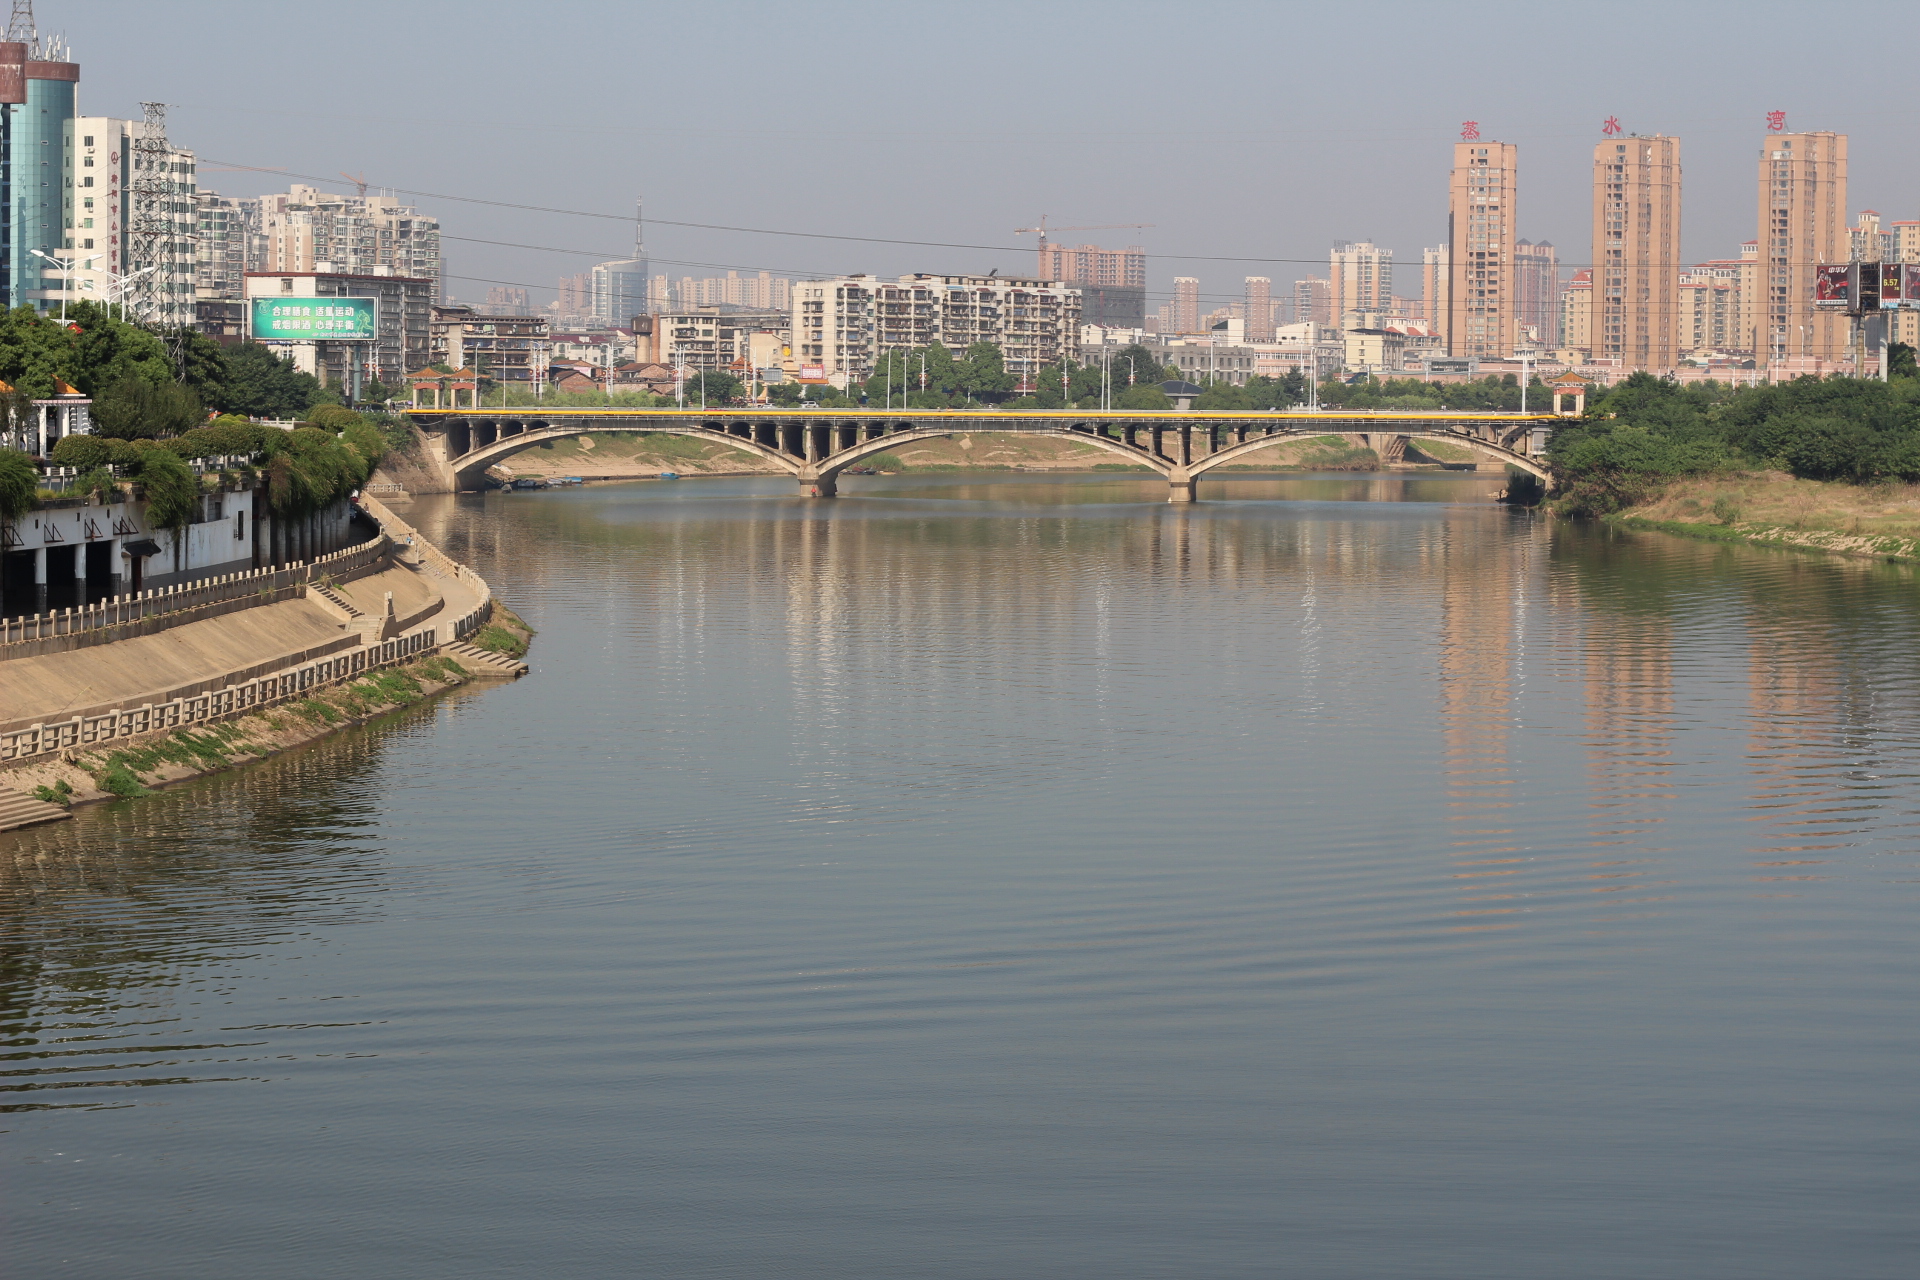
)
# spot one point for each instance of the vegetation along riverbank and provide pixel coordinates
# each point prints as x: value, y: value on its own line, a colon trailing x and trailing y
x: 1827, y: 464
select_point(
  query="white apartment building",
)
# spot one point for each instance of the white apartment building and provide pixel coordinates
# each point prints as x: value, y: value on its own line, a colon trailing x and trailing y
x: 841, y: 326
x: 307, y: 229
x: 101, y: 223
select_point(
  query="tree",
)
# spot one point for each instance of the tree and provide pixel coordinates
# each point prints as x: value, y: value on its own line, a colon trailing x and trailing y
x: 785, y: 393
x: 35, y: 352
x: 135, y: 409
x: 261, y: 384
x: 982, y: 373
x: 109, y: 350
x: 713, y: 386
x: 19, y: 485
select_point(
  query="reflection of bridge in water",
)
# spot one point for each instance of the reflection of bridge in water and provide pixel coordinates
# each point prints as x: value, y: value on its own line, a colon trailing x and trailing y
x: 815, y: 446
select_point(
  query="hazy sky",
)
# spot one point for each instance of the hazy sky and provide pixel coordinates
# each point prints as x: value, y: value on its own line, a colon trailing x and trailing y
x: 1240, y: 130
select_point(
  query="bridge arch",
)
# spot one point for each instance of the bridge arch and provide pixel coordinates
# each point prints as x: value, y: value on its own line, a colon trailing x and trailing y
x: 470, y: 466
x: 830, y: 467
x: 1500, y: 453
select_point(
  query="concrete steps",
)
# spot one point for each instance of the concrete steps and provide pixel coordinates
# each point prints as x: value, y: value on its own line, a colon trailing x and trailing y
x: 482, y: 662
x: 20, y: 809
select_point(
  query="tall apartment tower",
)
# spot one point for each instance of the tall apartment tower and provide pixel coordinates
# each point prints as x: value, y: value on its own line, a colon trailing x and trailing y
x: 35, y: 165
x: 1186, y: 304
x: 1536, y: 277
x: 1481, y: 319
x: 107, y: 159
x: 1312, y: 301
x: 1359, y: 278
x: 1803, y: 222
x: 1636, y: 251
x: 1113, y: 282
x: 1435, y: 278
x: 1259, y: 309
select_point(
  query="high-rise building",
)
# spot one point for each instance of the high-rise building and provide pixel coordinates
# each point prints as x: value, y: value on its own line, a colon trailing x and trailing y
x: 107, y: 163
x: 308, y: 229
x: 841, y: 326
x: 1636, y: 251
x: 1803, y: 202
x: 1482, y: 191
x: 1259, y: 309
x: 506, y: 300
x: 225, y: 231
x: 1312, y: 302
x: 1436, y: 277
x: 40, y: 106
x: 1868, y: 240
x: 1906, y: 248
x: 1709, y: 311
x: 1186, y: 304
x: 1112, y: 282
x: 1359, y: 278
x: 1576, y: 312
x: 1536, y: 282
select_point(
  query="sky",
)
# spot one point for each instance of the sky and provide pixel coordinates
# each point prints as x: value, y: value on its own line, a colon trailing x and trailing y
x: 1252, y: 136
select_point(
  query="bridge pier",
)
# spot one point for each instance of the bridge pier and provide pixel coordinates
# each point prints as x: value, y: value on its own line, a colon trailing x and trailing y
x: 818, y: 486
x: 1180, y: 486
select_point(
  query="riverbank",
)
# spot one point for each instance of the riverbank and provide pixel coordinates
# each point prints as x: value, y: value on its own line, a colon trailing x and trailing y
x: 1771, y: 508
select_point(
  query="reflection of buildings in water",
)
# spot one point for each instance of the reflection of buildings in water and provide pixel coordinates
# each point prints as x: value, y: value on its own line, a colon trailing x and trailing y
x: 110, y: 923
x: 1628, y: 696
x: 1483, y: 591
x: 1798, y: 696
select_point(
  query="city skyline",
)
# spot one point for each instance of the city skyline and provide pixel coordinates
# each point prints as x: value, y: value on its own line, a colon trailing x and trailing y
x: 1388, y: 157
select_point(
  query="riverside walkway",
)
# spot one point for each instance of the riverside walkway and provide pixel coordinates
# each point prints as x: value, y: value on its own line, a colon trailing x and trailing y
x: 816, y: 445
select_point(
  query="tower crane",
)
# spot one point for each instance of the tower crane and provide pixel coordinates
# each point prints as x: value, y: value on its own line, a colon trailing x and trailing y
x: 357, y: 179
x: 1103, y: 226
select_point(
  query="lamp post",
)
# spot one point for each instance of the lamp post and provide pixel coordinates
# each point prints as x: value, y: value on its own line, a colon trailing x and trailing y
x: 118, y: 285
x: 66, y: 274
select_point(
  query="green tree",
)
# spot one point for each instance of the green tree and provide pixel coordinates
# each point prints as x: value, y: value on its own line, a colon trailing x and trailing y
x: 135, y: 409
x: 19, y: 485
x: 982, y: 373
x: 108, y: 350
x: 715, y: 387
x: 36, y: 353
x: 261, y: 384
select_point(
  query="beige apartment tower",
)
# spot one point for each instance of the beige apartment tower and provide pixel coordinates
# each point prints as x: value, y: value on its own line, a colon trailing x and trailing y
x: 1186, y: 304
x: 1481, y: 317
x: 1259, y: 309
x: 1636, y: 251
x: 1359, y: 278
x: 1803, y: 222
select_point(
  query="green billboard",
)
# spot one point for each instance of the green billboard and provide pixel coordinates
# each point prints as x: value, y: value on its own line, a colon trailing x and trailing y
x: 313, y: 319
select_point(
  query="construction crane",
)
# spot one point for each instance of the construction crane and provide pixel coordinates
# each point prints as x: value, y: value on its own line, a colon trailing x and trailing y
x: 1103, y: 226
x: 359, y: 180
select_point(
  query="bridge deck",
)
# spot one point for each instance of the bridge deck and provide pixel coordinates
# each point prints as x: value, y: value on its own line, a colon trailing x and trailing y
x: 1013, y: 420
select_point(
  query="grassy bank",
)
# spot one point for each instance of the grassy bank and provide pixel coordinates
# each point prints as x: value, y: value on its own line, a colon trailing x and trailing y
x: 1771, y: 508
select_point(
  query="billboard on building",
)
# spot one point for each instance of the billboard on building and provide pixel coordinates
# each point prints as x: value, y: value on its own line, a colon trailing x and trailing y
x: 1833, y: 285
x: 813, y: 373
x: 1892, y: 291
x: 313, y: 320
x: 1910, y: 285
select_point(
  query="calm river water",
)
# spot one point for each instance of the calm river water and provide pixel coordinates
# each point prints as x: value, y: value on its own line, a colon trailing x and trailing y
x: 1007, y: 877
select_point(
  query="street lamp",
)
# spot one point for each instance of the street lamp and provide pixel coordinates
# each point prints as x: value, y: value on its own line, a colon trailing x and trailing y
x: 118, y: 285
x: 66, y: 275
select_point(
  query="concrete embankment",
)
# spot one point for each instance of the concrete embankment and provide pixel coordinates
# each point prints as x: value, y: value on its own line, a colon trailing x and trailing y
x: 84, y: 719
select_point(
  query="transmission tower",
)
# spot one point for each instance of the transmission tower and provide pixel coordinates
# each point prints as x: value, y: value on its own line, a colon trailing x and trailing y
x: 150, y: 223
x: 20, y: 29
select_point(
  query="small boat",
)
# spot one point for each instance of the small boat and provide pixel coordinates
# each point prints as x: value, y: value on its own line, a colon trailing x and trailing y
x: 861, y: 471
x: 669, y: 475
x: 529, y: 482
x: 555, y: 482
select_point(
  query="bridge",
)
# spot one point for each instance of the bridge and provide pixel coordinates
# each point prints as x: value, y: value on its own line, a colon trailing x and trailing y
x: 816, y: 445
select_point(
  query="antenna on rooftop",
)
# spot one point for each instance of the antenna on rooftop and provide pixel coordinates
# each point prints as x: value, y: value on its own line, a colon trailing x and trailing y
x: 20, y: 29
x: 639, y: 227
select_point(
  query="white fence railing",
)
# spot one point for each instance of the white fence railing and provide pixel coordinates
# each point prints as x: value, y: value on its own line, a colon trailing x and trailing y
x: 216, y: 704
x: 189, y: 595
x: 404, y: 534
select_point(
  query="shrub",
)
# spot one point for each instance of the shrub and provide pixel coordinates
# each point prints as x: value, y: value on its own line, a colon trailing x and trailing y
x: 134, y: 409
x: 19, y: 484
x: 85, y: 452
x: 172, y: 491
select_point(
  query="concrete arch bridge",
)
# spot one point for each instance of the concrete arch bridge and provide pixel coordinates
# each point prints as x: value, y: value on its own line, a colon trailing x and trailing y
x: 816, y: 445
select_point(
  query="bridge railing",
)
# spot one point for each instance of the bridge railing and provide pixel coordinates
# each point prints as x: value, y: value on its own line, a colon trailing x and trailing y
x: 406, y: 535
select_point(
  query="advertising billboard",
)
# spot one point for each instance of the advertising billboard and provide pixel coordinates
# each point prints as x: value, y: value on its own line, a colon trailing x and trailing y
x: 1910, y: 285
x: 313, y: 320
x: 813, y: 373
x: 1893, y: 292
x: 1833, y: 285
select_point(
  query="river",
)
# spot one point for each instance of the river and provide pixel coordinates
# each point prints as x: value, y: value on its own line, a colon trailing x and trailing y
x: 1019, y: 876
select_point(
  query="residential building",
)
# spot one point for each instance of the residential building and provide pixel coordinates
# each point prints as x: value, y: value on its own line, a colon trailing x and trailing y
x: 225, y: 232
x: 1312, y: 302
x: 1709, y: 304
x: 510, y: 349
x: 1576, y: 313
x: 716, y: 337
x: 1186, y: 304
x: 506, y: 300
x: 152, y: 269
x: 1636, y: 251
x: 1259, y: 309
x: 763, y: 291
x: 1436, y: 277
x: 1868, y: 241
x: 1482, y: 318
x: 34, y: 166
x: 1906, y: 248
x: 840, y: 326
x: 403, y: 324
x: 1803, y: 201
x: 599, y: 348
x: 573, y: 303
x: 1359, y: 278
x: 1112, y: 282
x: 309, y: 230
x: 1536, y: 281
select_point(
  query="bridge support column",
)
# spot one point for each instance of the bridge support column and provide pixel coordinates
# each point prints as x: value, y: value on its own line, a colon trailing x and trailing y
x: 1180, y: 486
x: 819, y: 486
